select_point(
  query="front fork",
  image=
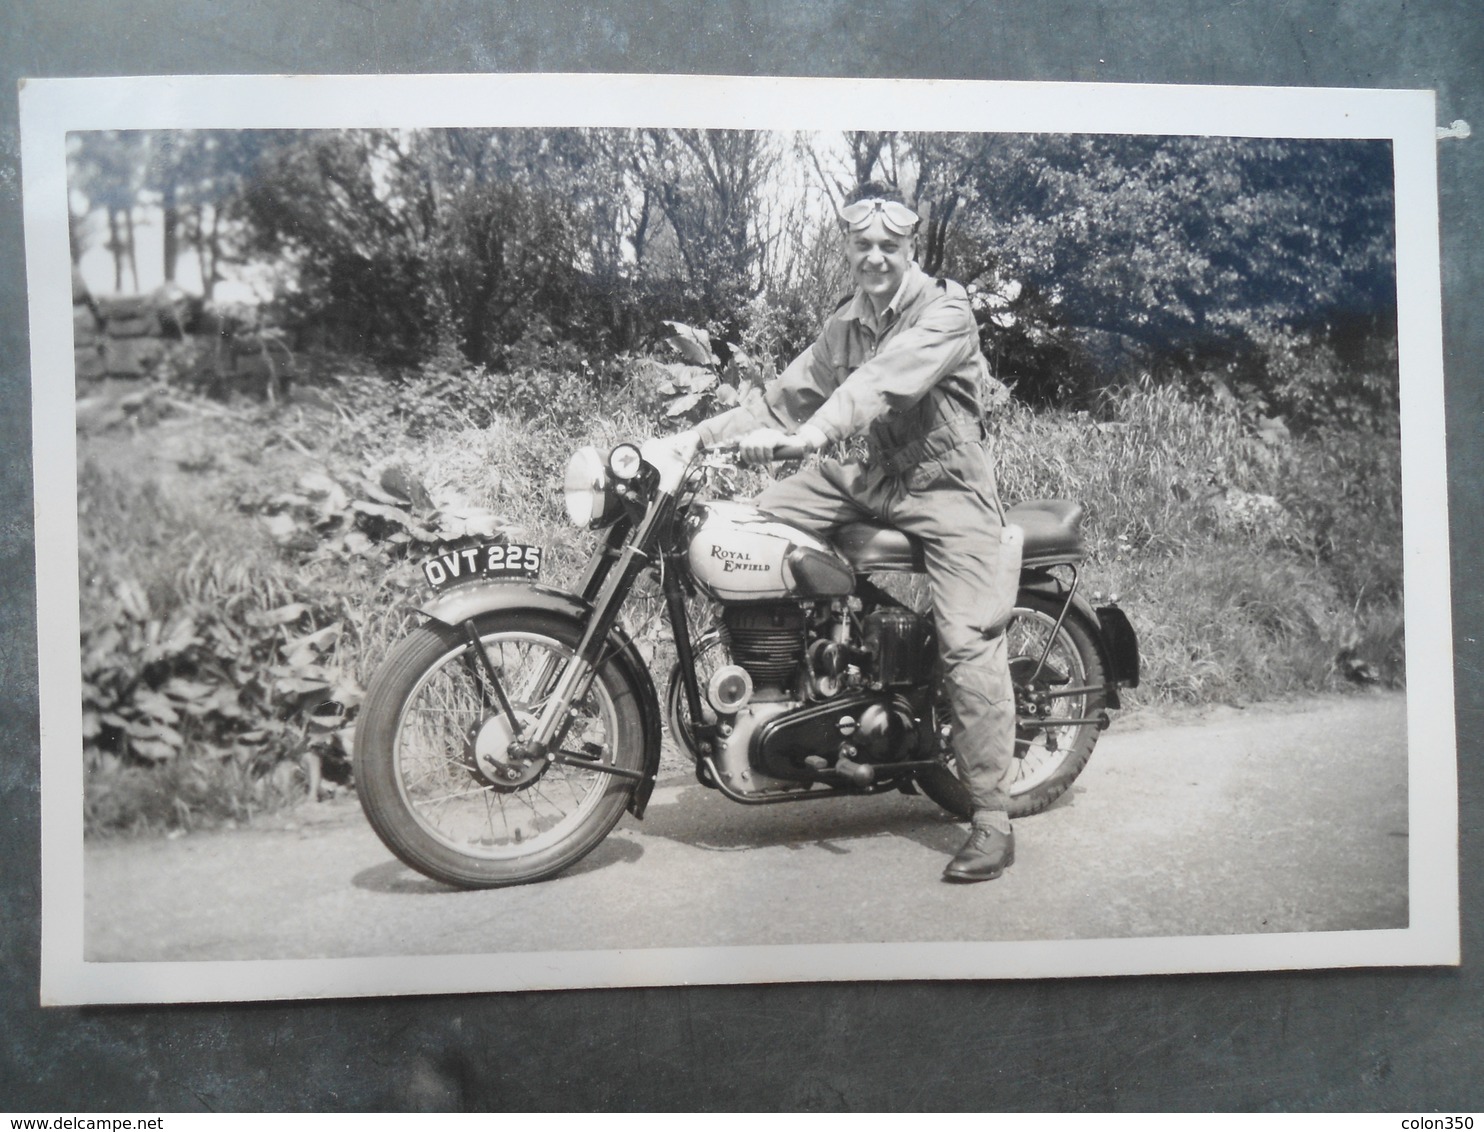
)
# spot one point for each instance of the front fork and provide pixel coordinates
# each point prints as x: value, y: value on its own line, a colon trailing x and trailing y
x: 610, y: 577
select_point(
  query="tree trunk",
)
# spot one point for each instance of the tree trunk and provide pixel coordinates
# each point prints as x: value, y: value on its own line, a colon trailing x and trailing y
x: 209, y: 276
x: 191, y: 229
x: 171, y: 228
x: 116, y: 248
x: 866, y: 146
x: 129, y: 242
x: 76, y: 234
x: 935, y: 239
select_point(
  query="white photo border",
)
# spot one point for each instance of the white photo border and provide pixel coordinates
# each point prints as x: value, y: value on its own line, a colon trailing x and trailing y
x: 51, y: 108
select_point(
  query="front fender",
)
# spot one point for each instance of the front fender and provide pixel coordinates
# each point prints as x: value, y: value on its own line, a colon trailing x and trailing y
x: 474, y: 599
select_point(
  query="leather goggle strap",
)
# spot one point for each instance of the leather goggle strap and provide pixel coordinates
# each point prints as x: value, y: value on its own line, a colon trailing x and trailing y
x: 894, y: 214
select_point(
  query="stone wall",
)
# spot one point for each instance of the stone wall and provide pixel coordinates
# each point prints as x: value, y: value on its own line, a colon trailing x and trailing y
x: 171, y: 335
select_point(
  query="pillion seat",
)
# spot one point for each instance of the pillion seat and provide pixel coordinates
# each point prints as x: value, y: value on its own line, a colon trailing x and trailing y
x: 1051, y: 526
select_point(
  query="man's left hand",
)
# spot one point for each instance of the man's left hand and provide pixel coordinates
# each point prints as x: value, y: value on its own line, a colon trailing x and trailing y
x: 764, y: 444
x: 757, y: 446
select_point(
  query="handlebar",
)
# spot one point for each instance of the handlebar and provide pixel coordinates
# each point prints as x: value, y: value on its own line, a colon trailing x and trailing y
x: 780, y: 452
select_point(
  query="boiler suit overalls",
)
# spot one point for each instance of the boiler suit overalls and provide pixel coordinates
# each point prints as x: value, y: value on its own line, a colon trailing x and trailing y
x: 913, y: 380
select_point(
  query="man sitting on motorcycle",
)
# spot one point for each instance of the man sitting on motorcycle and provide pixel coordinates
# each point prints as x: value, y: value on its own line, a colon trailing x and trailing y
x: 899, y: 360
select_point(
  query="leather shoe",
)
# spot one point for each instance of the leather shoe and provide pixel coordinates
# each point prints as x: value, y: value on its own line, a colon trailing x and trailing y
x: 985, y: 855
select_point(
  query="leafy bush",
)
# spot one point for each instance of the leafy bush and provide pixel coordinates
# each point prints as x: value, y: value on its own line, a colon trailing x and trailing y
x: 1308, y: 378
x: 702, y: 385
x: 193, y: 649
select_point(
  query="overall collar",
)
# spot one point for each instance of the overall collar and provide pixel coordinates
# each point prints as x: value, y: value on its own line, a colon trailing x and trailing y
x: 860, y: 308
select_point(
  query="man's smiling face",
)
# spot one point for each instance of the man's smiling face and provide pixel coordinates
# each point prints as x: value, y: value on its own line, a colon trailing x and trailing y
x: 879, y: 259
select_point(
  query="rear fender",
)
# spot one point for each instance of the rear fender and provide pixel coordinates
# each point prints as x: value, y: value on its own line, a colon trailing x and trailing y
x: 1118, y: 649
x: 477, y: 598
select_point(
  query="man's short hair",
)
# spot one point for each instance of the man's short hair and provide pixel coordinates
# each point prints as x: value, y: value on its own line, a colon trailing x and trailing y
x: 873, y: 190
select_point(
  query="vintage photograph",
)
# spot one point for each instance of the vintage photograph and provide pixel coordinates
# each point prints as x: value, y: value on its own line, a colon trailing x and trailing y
x: 632, y: 533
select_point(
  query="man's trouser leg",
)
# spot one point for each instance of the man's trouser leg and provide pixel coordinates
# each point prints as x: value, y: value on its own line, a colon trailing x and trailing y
x: 950, y: 504
x: 821, y: 497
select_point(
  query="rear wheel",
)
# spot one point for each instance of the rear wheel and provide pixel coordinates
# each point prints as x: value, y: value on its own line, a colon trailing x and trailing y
x: 433, y: 767
x: 1060, y: 695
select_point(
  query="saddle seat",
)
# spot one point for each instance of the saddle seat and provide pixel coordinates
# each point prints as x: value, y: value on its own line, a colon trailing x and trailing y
x: 1051, y: 526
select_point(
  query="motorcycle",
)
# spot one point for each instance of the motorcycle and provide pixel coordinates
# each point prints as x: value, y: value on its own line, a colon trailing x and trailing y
x: 503, y: 739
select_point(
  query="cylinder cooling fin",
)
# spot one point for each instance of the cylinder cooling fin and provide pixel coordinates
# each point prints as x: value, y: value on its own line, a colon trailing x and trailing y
x: 766, y: 640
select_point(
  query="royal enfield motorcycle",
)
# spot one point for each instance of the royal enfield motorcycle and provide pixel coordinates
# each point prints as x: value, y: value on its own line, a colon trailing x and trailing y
x: 503, y: 739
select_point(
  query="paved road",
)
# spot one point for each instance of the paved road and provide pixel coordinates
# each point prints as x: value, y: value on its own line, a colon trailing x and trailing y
x: 1272, y: 819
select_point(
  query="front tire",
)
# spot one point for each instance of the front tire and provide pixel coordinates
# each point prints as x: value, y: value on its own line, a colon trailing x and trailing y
x: 428, y: 748
x: 1048, y: 756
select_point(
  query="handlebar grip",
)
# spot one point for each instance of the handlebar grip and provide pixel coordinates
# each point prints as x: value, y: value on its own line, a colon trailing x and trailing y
x: 781, y: 452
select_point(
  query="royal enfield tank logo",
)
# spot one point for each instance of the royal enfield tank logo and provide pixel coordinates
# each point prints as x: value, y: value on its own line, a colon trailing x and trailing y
x: 734, y: 560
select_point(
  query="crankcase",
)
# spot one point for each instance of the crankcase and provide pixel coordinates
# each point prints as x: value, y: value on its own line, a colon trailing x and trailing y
x: 868, y: 727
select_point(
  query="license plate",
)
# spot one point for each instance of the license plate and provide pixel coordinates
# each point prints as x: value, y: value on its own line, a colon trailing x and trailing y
x: 492, y: 560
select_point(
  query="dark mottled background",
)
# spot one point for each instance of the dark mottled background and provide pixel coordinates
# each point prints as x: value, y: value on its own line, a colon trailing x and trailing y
x: 1396, y: 1040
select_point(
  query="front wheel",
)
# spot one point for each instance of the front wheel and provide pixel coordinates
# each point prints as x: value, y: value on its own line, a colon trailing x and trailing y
x: 1060, y: 696
x: 431, y: 754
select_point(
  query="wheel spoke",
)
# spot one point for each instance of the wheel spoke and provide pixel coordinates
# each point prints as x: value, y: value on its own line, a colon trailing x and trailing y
x: 489, y: 812
x: 444, y: 799
x: 456, y: 802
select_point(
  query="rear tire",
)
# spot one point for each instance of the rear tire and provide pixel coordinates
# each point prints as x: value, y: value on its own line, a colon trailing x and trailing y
x: 1047, y: 758
x: 440, y: 808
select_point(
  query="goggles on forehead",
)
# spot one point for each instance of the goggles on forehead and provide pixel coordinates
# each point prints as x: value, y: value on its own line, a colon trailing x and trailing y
x: 895, y: 215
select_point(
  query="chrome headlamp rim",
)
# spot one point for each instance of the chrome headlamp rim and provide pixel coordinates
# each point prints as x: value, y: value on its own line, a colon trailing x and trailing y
x: 585, y: 488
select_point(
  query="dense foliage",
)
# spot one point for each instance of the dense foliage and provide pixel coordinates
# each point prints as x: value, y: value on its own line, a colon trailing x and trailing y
x: 1202, y: 256
x: 1237, y: 266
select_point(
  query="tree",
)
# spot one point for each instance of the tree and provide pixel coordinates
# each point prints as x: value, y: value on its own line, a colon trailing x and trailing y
x: 407, y: 244
x: 1091, y: 256
x: 479, y: 242
x: 708, y: 188
x: 107, y: 168
x: 193, y: 177
x: 199, y: 176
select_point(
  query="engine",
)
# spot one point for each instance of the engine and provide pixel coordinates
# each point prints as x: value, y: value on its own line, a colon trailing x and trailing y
x: 803, y: 695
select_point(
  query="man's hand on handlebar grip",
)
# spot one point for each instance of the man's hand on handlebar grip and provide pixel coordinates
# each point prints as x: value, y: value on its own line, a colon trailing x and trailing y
x: 761, y: 445
x: 764, y: 444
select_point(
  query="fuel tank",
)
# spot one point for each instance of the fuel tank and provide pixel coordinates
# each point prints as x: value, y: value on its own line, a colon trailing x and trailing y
x: 740, y: 554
